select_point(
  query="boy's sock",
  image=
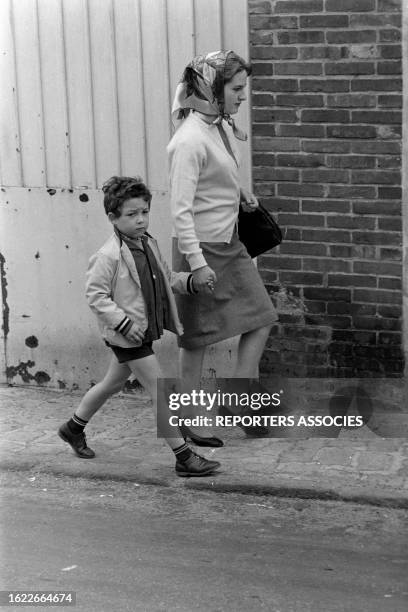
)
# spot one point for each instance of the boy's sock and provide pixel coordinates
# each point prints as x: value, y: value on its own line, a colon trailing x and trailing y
x: 183, y: 452
x: 76, y: 424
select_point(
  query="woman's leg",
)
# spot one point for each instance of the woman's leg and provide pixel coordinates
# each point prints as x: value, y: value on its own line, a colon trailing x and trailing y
x: 112, y: 383
x: 250, y: 349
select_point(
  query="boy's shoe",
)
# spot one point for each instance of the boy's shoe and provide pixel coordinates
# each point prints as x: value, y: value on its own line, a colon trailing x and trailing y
x: 196, y: 465
x: 76, y: 441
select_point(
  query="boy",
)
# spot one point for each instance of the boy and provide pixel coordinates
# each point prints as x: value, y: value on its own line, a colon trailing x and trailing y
x: 129, y: 290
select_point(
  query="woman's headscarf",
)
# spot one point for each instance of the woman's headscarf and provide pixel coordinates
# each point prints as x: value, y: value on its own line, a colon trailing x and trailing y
x: 209, y: 70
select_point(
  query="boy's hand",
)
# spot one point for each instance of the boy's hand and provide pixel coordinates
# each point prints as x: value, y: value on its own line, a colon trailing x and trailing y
x: 135, y: 334
x: 204, y: 280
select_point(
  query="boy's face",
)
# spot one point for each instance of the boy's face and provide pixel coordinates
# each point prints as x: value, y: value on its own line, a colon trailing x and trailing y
x: 134, y: 218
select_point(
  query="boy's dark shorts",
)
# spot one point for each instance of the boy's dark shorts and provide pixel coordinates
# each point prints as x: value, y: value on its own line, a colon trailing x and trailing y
x: 124, y: 354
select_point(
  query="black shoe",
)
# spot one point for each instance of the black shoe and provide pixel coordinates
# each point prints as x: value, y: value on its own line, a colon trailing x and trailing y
x: 196, y: 465
x: 200, y: 440
x: 76, y: 441
x: 252, y: 431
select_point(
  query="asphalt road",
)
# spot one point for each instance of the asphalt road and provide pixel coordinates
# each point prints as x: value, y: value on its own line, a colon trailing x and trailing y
x: 124, y: 547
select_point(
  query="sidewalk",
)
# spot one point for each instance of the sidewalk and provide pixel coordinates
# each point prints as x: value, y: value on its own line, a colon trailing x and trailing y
x: 357, y: 466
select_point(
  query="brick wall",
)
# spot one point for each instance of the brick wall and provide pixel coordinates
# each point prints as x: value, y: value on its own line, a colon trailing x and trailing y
x: 326, y: 160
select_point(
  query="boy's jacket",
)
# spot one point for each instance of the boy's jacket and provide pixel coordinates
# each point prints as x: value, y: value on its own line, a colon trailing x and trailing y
x: 114, y: 293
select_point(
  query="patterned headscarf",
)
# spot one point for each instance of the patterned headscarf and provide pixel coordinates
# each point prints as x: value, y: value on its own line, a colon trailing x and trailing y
x: 209, y: 70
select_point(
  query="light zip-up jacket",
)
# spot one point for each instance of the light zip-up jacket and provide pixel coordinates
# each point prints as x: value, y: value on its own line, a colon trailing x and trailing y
x: 114, y: 293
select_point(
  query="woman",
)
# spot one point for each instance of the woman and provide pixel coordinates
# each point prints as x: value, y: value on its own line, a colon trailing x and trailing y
x: 205, y: 189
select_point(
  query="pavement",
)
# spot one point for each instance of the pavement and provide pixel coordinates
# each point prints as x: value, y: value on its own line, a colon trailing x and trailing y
x: 358, y: 465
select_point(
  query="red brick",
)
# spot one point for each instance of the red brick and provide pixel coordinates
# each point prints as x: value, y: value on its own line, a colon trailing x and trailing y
x: 299, y: 100
x: 263, y: 129
x: 340, y: 250
x: 378, y: 147
x: 390, y: 283
x: 304, y: 37
x: 277, y: 262
x: 389, y: 5
x: 306, y: 191
x: 352, y: 191
x: 352, y: 6
x: 376, y: 85
x: 377, y: 296
x: 274, y: 85
x: 390, y: 311
x: 275, y: 144
x: 298, y: 6
x: 389, y: 67
x: 275, y: 115
x: 375, y: 177
x: 391, y: 254
x: 377, y: 207
x: 263, y: 99
x: 351, y: 131
x: 324, y: 21
x: 376, y: 20
x: 391, y: 51
x: 276, y: 174
x: 302, y: 131
x: 351, y: 280
x: 328, y: 52
x: 299, y: 68
x: 351, y: 36
x: 326, y: 206
x: 325, y: 116
x: 259, y: 6
x: 261, y: 37
x: 390, y: 101
x: 300, y: 160
x: 263, y: 159
x: 275, y: 53
x: 377, y: 267
x: 351, y: 161
x: 326, y: 235
x: 347, y: 222
x: 389, y: 162
x: 325, y: 176
x: 325, y: 85
x: 262, y: 69
x: 392, y: 35
x: 301, y: 278
x: 383, y: 117
x: 351, y: 100
x: 328, y: 264
x: 263, y: 189
x: 390, y: 224
x: 378, y: 238
x: 364, y: 251
x: 315, y: 307
x: 327, y: 294
x: 389, y: 338
x: 326, y: 146
x: 302, y: 220
x: 389, y: 193
x: 349, y: 68
x: 303, y: 248
x: 354, y: 337
x: 265, y: 22
x: 281, y: 204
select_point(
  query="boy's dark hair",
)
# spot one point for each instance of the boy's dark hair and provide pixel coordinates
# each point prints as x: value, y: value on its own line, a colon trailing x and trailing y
x: 118, y: 189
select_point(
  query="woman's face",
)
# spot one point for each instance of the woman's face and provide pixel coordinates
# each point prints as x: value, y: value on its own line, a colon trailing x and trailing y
x: 234, y: 92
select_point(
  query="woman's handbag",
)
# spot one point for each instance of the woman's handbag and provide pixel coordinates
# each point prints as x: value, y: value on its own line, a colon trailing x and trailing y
x: 258, y: 230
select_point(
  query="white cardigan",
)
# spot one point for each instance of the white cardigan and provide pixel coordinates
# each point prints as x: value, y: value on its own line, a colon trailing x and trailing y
x: 204, y: 187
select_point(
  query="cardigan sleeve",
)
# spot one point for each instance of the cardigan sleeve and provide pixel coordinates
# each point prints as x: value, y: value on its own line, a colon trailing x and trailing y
x: 186, y: 160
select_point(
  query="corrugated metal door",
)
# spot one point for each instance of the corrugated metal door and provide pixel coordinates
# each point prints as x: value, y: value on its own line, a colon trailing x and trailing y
x: 86, y: 89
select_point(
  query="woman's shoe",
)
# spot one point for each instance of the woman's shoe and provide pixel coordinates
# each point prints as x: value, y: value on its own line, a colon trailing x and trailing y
x: 200, y: 440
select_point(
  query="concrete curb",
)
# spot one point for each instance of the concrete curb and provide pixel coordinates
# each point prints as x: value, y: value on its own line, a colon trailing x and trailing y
x: 279, y: 488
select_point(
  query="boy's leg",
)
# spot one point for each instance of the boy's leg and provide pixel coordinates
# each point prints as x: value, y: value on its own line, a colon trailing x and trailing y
x: 72, y: 432
x: 147, y: 370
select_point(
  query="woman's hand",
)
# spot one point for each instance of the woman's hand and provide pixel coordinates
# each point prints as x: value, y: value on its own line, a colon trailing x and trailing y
x: 248, y: 201
x: 204, y: 280
x: 135, y: 334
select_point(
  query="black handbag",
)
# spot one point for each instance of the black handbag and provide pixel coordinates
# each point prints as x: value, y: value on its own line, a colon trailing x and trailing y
x: 258, y: 230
